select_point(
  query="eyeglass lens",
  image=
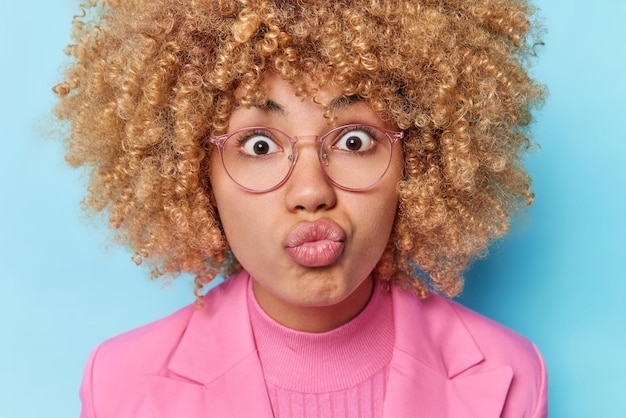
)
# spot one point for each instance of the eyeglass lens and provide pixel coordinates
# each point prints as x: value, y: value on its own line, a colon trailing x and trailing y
x: 353, y: 157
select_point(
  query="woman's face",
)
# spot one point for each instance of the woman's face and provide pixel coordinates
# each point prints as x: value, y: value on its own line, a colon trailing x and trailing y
x: 309, y: 246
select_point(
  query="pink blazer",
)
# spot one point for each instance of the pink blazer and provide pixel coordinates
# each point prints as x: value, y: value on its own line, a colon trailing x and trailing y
x: 448, y: 362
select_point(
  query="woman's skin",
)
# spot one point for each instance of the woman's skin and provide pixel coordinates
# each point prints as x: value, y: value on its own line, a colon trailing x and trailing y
x: 309, y: 245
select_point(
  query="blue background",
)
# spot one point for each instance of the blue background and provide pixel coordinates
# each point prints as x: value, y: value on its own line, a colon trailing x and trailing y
x: 558, y: 278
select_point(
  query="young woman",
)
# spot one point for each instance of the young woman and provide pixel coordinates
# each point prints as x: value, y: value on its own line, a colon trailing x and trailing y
x: 341, y: 163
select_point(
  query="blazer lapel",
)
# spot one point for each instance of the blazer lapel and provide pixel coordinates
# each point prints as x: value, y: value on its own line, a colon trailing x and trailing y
x: 215, y: 371
x: 435, y: 370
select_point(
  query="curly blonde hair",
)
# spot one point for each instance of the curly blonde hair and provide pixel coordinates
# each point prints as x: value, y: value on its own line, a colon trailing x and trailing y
x: 151, y: 79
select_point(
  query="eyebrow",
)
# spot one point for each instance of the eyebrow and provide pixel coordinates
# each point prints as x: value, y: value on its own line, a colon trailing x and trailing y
x: 338, y: 103
x: 270, y: 106
x: 341, y: 102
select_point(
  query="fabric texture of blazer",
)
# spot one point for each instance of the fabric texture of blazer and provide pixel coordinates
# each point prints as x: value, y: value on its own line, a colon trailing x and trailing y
x: 448, y: 362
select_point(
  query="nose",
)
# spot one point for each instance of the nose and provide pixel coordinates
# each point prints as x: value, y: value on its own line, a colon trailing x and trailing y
x: 308, y: 189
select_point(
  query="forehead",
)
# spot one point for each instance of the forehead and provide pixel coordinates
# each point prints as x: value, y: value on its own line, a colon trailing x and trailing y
x: 273, y: 87
x: 275, y: 100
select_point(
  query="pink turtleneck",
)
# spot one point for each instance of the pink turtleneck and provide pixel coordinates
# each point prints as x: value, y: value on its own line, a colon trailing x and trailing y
x: 339, y: 373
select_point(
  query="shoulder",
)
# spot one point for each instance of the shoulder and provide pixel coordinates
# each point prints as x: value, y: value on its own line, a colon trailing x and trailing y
x: 461, y: 342
x: 156, y: 338
x: 444, y: 320
x: 152, y: 343
x: 116, y: 367
x: 502, y: 346
x: 494, y: 339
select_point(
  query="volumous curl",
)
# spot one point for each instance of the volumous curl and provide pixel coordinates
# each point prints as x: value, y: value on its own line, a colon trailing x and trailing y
x: 151, y: 79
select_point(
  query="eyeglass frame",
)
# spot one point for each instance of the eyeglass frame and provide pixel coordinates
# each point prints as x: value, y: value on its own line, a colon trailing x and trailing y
x: 392, y: 137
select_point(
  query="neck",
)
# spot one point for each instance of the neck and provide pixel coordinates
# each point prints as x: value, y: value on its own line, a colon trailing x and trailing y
x: 315, y: 318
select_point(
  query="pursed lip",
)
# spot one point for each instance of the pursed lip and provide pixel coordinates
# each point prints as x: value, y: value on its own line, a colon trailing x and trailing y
x: 315, y: 244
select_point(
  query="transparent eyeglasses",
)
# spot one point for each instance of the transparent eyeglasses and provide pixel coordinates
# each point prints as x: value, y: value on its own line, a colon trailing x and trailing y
x: 353, y: 157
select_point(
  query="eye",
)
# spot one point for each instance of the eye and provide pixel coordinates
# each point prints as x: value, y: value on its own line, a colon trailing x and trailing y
x: 258, y: 144
x: 355, y: 140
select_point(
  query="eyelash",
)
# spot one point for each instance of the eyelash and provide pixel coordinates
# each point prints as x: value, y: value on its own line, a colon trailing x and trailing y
x: 257, y: 132
x: 363, y: 128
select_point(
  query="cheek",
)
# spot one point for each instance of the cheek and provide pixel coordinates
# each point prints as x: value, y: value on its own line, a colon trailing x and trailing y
x: 382, y: 208
x: 226, y: 198
x: 246, y: 222
x: 376, y: 218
